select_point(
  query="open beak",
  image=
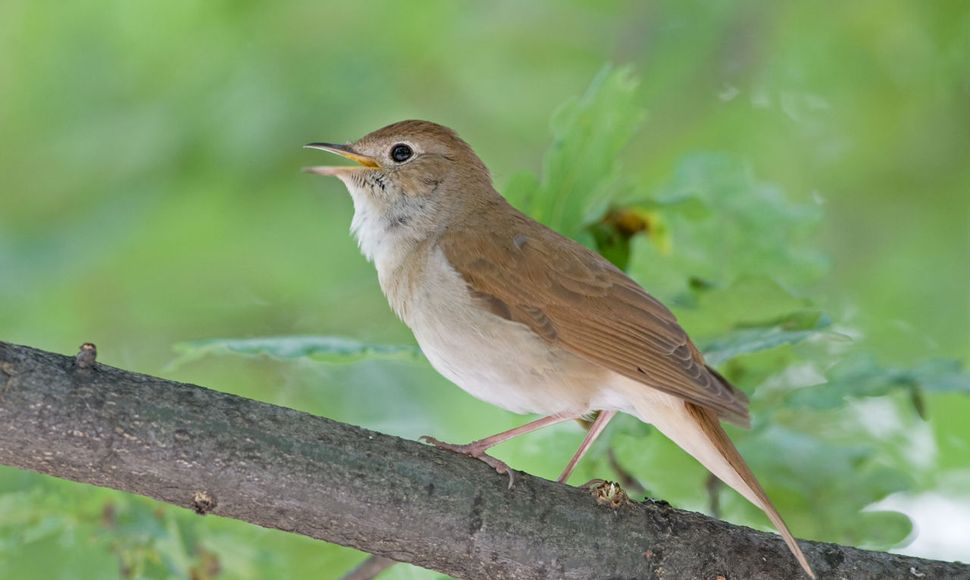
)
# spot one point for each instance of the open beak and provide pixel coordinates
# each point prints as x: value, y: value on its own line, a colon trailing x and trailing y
x: 343, y: 151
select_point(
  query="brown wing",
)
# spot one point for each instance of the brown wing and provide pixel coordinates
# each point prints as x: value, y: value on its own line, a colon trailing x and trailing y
x: 574, y: 298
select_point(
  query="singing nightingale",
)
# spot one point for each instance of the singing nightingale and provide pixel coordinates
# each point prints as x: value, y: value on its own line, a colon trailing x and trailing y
x: 524, y: 318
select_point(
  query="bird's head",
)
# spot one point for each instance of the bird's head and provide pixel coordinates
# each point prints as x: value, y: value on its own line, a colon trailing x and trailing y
x: 411, y: 179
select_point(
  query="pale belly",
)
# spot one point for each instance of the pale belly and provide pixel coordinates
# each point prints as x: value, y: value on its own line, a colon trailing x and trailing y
x: 493, y: 359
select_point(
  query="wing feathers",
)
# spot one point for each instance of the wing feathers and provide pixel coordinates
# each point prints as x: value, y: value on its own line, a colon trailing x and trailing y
x: 571, y: 296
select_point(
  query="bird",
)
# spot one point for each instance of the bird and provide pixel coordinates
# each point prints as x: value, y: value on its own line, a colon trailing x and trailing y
x: 524, y: 318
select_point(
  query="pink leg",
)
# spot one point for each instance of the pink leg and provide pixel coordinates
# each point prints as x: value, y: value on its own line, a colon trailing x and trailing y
x: 594, y: 431
x: 477, y: 449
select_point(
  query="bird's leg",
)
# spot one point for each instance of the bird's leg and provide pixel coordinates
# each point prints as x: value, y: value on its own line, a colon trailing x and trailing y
x: 594, y: 431
x: 478, y: 448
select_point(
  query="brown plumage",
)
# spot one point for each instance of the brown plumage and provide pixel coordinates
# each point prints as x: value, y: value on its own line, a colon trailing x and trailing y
x: 543, y: 279
x: 524, y: 318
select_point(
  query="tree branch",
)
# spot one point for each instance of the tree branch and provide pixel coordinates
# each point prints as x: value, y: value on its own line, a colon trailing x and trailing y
x: 279, y: 468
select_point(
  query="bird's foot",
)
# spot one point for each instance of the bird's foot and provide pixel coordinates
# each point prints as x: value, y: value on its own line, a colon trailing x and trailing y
x: 476, y: 451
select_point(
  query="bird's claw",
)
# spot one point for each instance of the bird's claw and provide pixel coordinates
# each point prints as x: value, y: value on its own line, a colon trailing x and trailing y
x: 499, y: 466
x: 475, y: 451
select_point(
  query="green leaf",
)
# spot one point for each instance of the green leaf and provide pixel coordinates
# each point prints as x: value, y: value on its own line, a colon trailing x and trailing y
x: 942, y: 376
x: 580, y: 169
x: 332, y: 349
x: 794, y: 328
x: 710, y: 309
x: 728, y: 225
x: 883, y: 529
x: 861, y: 375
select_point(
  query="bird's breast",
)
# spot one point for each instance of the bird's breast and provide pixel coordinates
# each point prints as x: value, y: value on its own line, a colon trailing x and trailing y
x: 496, y: 360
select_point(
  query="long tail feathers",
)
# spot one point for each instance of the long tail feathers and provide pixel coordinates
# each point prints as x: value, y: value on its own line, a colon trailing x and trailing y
x: 698, y: 431
x: 711, y: 426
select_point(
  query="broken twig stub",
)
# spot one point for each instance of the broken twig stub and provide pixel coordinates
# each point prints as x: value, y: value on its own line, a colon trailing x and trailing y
x: 87, y: 355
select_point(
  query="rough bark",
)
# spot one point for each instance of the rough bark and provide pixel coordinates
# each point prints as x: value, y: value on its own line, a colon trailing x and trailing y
x: 279, y: 468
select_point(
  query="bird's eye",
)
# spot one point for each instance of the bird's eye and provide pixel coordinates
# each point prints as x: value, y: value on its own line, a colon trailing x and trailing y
x: 401, y: 153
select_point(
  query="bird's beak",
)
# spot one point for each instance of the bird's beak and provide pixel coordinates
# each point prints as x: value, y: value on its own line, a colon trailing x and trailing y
x: 343, y: 151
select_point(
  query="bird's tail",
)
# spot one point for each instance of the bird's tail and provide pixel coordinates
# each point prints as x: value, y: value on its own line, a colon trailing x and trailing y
x: 698, y: 431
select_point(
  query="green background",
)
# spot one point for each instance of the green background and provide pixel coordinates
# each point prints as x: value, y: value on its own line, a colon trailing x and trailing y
x: 150, y: 195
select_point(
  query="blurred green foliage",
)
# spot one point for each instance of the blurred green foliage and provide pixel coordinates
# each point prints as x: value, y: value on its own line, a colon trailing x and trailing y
x: 580, y: 169
x: 319, y: 348
x: 791, y: 178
